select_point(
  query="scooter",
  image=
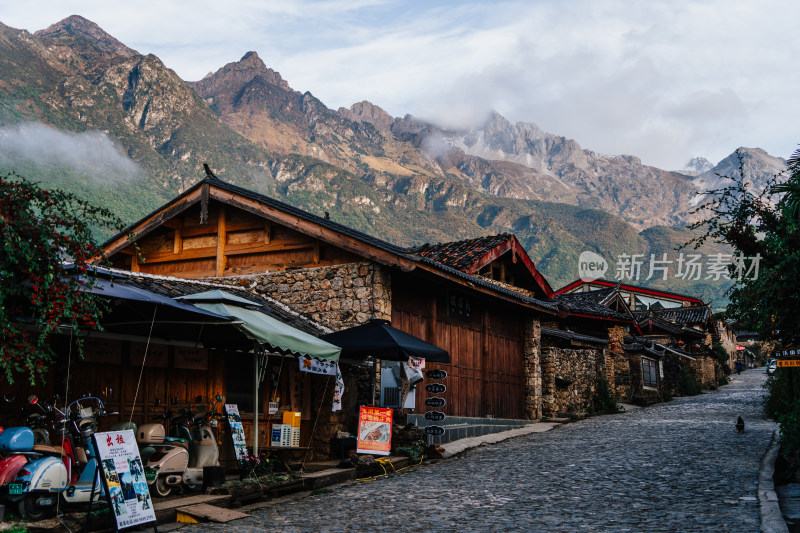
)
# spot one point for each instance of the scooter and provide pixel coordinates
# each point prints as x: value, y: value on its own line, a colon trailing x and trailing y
x: 172, y: 463
x: 203, y: 447
x: 40, y: 482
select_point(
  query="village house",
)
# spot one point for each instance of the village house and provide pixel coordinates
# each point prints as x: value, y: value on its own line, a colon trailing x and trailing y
x: 671, y: 334
x: 459, y: 297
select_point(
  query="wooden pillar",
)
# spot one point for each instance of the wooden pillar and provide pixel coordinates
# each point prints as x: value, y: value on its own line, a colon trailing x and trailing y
x: 485, y: 403
x: 221, y: 238
x: 177, y: 244
x: 432, y: 320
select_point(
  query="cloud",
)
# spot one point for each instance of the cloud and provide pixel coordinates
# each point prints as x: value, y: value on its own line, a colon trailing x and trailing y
x: 665, y: 80
x: 91, y: 152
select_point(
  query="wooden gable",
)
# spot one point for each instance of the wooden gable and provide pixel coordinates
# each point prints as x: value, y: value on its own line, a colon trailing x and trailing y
x: 227, y: 241
x: 217, y: 229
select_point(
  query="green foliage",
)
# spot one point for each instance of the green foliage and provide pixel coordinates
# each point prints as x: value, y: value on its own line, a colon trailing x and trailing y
x: 720, y: 353
x: 764, y: 224
x: 777, y: 400
x: 603, y: 402
x: 38, y: 230
x: 688, y: 385
x: 790, y: 429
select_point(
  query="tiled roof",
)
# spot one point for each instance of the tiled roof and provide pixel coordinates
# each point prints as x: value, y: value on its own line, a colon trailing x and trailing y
x: 461, y: 254
x: 683, y: 316
x: 483, y: 282
x: 589, y: 303
x: 175, y: 287
x: 564, y: 334
x: 411, y: 254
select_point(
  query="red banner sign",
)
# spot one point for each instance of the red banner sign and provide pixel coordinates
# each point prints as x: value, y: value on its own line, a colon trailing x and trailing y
x: 374, y: 430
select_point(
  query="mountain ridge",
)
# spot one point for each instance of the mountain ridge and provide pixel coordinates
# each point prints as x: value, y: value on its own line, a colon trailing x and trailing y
x: 395, y: 178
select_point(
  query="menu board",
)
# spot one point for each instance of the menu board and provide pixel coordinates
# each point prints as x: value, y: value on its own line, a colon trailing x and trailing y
x: 123, y: 476
x: 374, y: 430
x: 237, y: 431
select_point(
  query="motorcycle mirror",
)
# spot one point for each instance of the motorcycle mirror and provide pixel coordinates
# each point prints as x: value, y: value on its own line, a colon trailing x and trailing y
x: 9, y: 397
x: 218, y: 398
x: 199, y: 399
x: 33, y: 399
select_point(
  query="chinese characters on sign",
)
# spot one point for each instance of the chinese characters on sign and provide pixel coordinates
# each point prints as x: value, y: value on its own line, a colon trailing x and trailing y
x: 685, y: 266
x: 374, y: 430
x: 123, y: 477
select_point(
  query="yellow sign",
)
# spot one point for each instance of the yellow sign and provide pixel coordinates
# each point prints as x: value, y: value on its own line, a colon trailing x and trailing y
x: 788, y: 362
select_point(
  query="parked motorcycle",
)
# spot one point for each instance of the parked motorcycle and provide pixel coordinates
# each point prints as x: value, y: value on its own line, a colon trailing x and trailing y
x: 180, y: 458
x: 39, y: 483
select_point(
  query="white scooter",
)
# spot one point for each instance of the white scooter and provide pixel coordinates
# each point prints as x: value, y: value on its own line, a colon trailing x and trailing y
x: 42, y: 481
x: 179, y: 459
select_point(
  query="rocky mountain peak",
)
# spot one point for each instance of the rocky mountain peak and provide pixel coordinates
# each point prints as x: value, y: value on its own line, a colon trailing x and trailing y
x: 76, y: 26
x: 239, y: 73
x: 368, y: 112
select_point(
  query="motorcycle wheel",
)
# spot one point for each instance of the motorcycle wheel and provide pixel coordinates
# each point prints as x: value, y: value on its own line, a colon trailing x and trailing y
x: 28, y: 509
x: 162, y: 489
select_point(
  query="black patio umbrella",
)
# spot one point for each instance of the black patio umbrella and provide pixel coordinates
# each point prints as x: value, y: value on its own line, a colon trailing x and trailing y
x: 379, y: 339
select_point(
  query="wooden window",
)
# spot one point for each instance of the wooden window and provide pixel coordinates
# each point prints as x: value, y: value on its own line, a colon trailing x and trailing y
x: 649, y: 372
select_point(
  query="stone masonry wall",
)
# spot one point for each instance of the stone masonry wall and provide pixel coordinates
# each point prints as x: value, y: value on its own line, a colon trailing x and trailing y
x: 532, y: 370
x: 569, y: 378
x: 618, y: 372
x: 336, y: 296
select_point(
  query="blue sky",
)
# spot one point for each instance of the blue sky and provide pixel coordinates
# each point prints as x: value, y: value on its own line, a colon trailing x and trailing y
x: 661, y: 80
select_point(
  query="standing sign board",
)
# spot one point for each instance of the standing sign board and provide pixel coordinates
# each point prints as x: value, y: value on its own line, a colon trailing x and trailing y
x: 237, y: 431
x: 374, y: 431
x: 123, y: 476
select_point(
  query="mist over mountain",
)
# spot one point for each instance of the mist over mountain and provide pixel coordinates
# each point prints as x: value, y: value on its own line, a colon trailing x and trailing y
x: 82, y: 111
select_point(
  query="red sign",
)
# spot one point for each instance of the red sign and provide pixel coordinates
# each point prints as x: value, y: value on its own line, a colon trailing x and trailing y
x: 740, y: 347
x: 374, y: 430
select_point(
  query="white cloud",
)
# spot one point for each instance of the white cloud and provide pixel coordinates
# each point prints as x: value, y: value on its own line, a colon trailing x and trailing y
x: 90, y: 152
x: 663, y: 80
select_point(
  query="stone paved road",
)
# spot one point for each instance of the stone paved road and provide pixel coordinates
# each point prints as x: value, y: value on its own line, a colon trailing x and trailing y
x: 678, y: 466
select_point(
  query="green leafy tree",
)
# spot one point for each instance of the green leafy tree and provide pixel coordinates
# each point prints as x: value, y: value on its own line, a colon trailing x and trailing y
x: 763, y: 227
x: 39, y: 231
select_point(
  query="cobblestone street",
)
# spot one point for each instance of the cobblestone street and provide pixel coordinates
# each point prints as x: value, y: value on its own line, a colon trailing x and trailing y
x: 677, y: 466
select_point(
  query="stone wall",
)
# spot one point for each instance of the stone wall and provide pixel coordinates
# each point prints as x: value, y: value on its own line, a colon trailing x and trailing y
x: 336, y: 296
x: 705, y: 371
x: 622, y: 376
x: 618, y: 372
x: 569, y: 378
x: 532, y: 370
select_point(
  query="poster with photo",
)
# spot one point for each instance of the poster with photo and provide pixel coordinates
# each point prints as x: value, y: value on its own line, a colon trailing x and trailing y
x: 122, y: 473
x: 237, y: 431
x: 374, y: 430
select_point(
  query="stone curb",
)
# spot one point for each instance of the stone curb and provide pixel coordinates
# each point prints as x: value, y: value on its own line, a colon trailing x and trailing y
x: 461, y: 445
x: 771, y: 517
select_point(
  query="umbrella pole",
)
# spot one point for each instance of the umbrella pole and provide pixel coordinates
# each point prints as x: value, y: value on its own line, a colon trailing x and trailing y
x: 372, y: 380
x: 255, y: 403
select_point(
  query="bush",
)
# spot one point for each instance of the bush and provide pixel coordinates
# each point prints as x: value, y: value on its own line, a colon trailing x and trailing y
x: 790, y: 430
x: 603, y: 402
x: 688, y: 385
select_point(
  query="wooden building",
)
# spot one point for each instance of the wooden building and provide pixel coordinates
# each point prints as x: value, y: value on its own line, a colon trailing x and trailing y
x: 481, y: 299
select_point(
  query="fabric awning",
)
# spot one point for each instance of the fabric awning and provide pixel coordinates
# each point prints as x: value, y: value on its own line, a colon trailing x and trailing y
x: 262, y: 328
x: 379, y: 339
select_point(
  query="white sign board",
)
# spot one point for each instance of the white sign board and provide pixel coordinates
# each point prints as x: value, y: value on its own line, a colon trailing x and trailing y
x: 237, y: 431
x: 123, y: 475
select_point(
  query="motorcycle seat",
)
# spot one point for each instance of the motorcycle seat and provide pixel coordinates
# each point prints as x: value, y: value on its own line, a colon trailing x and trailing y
x: 48, y: 450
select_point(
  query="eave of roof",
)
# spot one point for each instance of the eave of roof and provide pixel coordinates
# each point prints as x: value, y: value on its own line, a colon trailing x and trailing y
x: 553, y: 332
x: 631, y: 288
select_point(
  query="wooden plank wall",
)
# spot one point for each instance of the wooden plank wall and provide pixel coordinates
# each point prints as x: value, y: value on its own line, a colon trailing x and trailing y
x: 477, y: 384
x: 230, y: 242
